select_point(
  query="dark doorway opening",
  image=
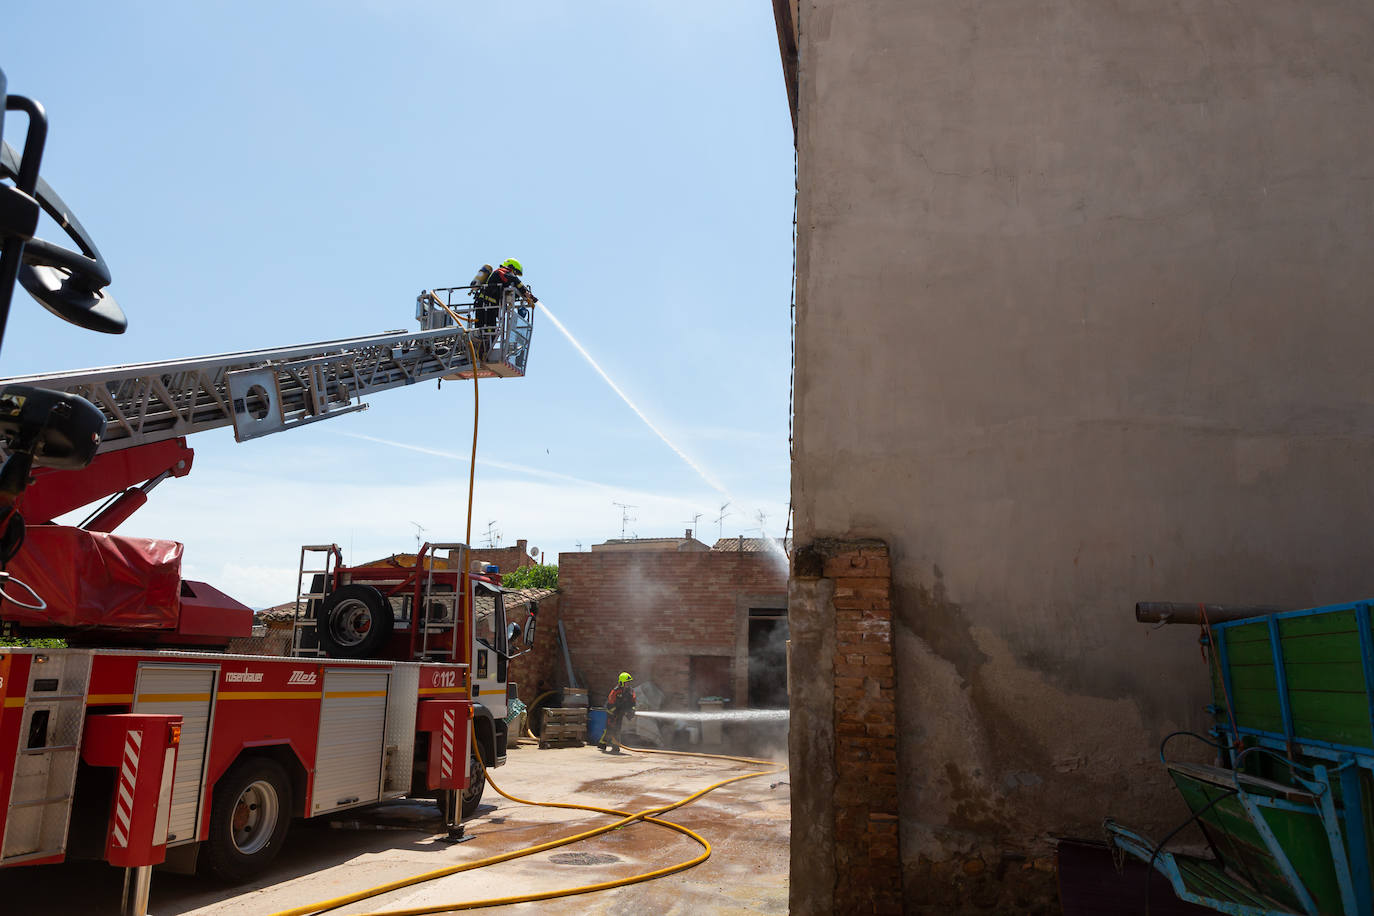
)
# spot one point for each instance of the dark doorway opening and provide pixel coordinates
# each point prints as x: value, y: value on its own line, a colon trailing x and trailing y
x: 768, y: 658
x: 707, y: 676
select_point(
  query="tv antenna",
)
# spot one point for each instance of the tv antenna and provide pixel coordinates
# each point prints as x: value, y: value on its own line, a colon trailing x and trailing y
x: 419, y: 530
x: 625, y: 517
x: 493, y: 536
x: 763, y: 523
x: 693, y: 529
x: 720, y: 520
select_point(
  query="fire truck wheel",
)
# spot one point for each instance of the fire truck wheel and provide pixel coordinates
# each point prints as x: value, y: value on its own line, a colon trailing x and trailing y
x: 355, y: 622
x: 477, y: 782
x: 248, y: 819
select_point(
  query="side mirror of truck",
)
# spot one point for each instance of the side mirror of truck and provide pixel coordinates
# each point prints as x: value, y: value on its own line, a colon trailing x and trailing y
x: 512, y: 634
x: 530, y: 621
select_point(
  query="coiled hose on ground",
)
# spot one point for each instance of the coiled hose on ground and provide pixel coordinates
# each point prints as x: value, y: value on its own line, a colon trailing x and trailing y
x: 624, y: 818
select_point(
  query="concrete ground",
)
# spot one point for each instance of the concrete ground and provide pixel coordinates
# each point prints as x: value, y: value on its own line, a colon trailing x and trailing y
x: 746, y: 823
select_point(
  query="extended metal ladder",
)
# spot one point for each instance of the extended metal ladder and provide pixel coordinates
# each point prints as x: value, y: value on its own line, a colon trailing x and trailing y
x: 259, y: 392
x: 309, y: 597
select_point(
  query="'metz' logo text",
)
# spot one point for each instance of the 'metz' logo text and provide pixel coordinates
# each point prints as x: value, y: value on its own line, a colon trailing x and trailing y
x: 303, y: 677
x: 243, y: 677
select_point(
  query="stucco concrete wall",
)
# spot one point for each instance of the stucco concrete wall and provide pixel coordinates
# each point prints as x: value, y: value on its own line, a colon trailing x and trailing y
x: 1084, y: 299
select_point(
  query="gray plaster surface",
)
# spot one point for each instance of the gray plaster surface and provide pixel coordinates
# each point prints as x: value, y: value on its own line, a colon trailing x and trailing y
x: 1082, y: 303
x: 746, y: 823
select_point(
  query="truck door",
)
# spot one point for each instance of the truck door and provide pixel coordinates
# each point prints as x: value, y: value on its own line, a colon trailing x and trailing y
x: 348, y: 763
x: 187, y: 691
x: 489, y: 649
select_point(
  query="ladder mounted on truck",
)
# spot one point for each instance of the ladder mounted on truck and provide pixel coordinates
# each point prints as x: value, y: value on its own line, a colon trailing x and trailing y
x: 313, y: 584
x: 259, y: 392
x: 428, y: 600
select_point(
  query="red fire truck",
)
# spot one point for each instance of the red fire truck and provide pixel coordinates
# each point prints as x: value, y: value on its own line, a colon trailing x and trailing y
x: 441, y: 606
x: 142, y: 741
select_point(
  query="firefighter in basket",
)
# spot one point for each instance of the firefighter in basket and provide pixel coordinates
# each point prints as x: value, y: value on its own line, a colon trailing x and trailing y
x: 490, y: 289
x: 619, y: 705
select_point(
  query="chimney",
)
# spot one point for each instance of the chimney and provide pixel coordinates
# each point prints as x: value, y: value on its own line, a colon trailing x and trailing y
x: 688, y: 534
x: 521, y: 544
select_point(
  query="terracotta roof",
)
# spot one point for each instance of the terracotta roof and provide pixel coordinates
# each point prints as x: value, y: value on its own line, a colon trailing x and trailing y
x: 285, y: 611
x: 515, y: 598
x: 753, y: 545
x: 528, y: 594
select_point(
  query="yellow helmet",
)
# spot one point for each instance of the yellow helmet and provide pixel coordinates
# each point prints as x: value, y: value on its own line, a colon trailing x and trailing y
x: 513, y: 265
x: 625, y: 677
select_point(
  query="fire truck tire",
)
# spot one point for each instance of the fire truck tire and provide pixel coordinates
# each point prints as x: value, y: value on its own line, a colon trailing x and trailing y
x: 248, y: 819
x: 355, y: 622
x: 477, y: 783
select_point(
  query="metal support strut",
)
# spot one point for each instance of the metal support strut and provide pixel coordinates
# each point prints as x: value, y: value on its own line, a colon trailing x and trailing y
x: 138, y: 883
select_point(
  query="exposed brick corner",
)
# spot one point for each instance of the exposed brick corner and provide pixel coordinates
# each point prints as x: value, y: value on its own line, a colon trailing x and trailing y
x: 868, y: 872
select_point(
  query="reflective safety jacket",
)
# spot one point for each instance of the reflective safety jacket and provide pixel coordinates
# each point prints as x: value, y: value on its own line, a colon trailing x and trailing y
x: 621, y: 699
x: 501, y: 279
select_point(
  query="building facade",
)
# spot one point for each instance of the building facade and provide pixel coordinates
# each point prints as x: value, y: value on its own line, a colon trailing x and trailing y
x: 1082, y: 298
x: 693, y: 621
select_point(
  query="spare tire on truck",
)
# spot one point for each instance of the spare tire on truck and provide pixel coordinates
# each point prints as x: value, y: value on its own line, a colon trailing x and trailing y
x: 355, y: 621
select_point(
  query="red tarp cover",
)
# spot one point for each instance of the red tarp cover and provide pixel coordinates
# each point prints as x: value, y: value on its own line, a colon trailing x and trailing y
x: 93, y: 579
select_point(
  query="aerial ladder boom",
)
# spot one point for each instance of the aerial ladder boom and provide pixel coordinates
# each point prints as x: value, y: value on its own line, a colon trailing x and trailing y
x: 259, y: 392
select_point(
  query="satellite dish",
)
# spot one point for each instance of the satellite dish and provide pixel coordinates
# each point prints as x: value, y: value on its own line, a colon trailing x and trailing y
x: 534, y: 552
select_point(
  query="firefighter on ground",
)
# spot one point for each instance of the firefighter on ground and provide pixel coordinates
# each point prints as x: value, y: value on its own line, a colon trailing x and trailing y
x: 619, y: 704
x: 489, y: 290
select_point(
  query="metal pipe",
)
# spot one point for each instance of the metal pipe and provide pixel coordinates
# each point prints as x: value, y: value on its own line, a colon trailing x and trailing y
x: 137, y: 883
x: 1181, y: 612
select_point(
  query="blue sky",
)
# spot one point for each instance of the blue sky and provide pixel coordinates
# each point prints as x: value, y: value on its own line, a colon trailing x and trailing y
x: 262, y: 174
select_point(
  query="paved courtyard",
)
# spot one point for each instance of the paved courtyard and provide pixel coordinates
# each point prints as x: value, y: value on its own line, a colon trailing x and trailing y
x: 746, y: 822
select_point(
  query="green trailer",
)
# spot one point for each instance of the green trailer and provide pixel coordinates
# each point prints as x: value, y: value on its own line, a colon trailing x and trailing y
x: 1286, y: 807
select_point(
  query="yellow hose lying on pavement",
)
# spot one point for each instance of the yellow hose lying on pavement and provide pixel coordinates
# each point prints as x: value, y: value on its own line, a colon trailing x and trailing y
x: 625, y: 818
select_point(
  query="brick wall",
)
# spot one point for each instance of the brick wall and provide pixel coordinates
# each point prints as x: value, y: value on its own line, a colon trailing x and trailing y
x: 869, y: 867
x: 845, y: 840
x: 507, y: 558
x: 541, y: 668
x: 649, y: 612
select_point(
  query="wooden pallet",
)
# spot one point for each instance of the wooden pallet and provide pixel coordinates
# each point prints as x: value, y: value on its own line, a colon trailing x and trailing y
x: 563, y: 728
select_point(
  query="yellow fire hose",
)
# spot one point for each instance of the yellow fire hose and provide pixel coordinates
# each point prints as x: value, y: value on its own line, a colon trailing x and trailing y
x: 472, y: 462
x: 625, y: 818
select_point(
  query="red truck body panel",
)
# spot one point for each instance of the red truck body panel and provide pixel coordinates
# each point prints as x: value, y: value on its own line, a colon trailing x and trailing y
x: 246, y: 704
